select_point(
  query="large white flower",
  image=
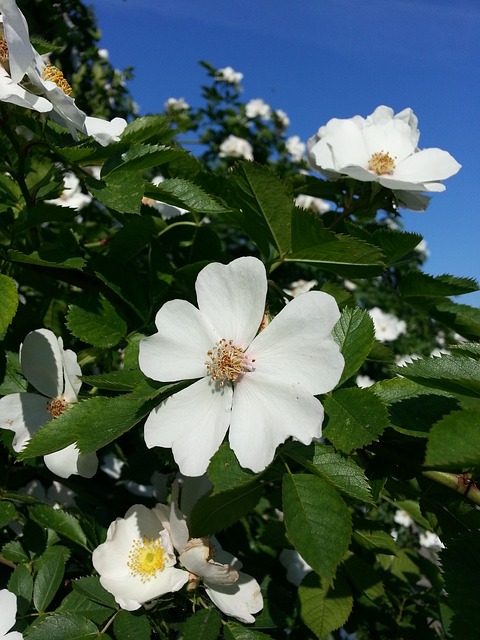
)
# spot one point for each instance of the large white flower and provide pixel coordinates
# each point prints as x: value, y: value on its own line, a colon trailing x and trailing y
x: 136, y: 562
x: 8, y: 612
x: 261, y: 386
x: 380, y: 148
x: 235, y: 147
x: 54, y: 372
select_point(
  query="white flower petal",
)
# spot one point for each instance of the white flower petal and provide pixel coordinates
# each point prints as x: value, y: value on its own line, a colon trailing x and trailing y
x: 295, y: 565
x: 232, y: 298
x: 20, y: 50
x: 8, y: 609
x: 42, y: 362
x: 71, y: 373
x: 265, y: 413
x: 427, y: 165
x: 179, y: 350
x: 24, y: 414
x: 104, y: 131
x: 68, y: 461
x: 195, y: 558
x: 348, y: 148
x: 13, y: 93
x: 193, y: 422
x: 392, y: 136
x: 240, y: 600
x: 297, y: 346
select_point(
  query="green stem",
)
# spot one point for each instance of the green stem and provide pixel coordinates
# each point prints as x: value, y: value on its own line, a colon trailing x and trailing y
x: 461, y: 483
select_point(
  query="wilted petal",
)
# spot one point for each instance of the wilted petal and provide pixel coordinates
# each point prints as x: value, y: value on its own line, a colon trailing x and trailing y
x: 42, y: 362
x: 196, y: 557
x: 232, y: 298
x: 24, y: 414
x: 239, y: 600
x: 193, y: 422
x: 297, y: 346
x: 265, y: 413
x: 179, y: 350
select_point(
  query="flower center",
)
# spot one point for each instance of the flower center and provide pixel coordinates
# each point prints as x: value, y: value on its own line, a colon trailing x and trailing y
x: 55, y: 75
x: 381, y: 163
x: 3, y: 51
x: 227, y: 362
x: 146, y: 558
x: 57, y: 406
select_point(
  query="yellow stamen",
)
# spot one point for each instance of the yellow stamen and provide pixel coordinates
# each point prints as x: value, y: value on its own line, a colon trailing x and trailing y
x: 381, y: 163
x: 3, y: 51
x: 227, y: 362
x: 57, y: 406
x: 146, y: 558
x: 55, y: 75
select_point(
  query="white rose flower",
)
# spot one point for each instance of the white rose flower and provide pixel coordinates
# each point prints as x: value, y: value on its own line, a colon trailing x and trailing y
x: 402, y: 518
x: 136, y: 562
x: 72, y: 196
x: 235, y: 147
x: 175, y: 105
x: 381, y: 148
x: 8, y: 613
x: 363, y: 382
x: 257, y: 108
x: 261, y: 386
x: 54, y: 372
x: 310, y: 202
x: 430, y: 540
x: 295, y: 147
x: 283, y: 119
x: 228, y: 74
x: 387, y: 326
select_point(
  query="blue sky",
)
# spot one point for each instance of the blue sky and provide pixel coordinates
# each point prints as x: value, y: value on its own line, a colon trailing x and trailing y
x: 318, y: 59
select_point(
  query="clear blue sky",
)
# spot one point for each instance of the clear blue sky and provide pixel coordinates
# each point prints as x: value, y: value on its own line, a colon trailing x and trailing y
x: 318, y: 59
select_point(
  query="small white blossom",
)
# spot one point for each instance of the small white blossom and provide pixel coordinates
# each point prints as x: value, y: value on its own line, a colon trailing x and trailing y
x: 295, y: 147
x: 103, y: 54
x: 257, y: 108
x: 72, y: 195
x: 54, y: 372
x: 403, y: 518
x: 260, y: 387
x: 282, y: 117
x: 136, y: 562
x: 310, y: 202
x: 228, y: 74
x: 363, y: 382
x: 235, y: 147
x: 295, y: 565
x: 387, y: 326
x: 175, y: 105
x: 300, y: 286
x: 8, y: 613
x: 430, y: 540
x: 422, y: 248
x: 381, y: 148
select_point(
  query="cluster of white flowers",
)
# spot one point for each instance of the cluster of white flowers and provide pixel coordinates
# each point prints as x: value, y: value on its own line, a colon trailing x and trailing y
x: 229, y: 75
x: 28, y: 81
x: 381, y: 148
x: 296, y: 148
x: 8, y: 613
x: 137, y: 562
x: 235, y: 147
x: 54, y: 372
x: 175, y: 105
x: 387, y: 326
x: 257, y: 108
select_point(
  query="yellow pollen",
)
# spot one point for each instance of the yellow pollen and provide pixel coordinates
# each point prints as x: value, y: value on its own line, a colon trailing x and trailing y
x: 381, y: 163
x: 55, y: 75
x: 3, y: 50
x: 227, y: 362
x: 57, y: 406
x: 146, y: 558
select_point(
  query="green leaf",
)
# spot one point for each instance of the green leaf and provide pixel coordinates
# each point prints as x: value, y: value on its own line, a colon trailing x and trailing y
x: 135, y: 234
x: 185, y: 194
x: 413, y: 509
x: 455, y: 374
x: 96, y: 321
x: 63, y: 626
x: 122, y: 380
x: 355, y: 335
x: 153, y: 128
x: 342, y: 473
x: 13, y: 381
x: 15, y: 552
x: 356, y: 417
x: 49, y: 576
x: 454, y: 441
x: 90, y: 587
x: 7, y: 513
x: 415, y: 416
x: 80, y: 605
x: 459, y: 317
x: 59, y: 521
x: 395, y: 244
x: 263, y: 206
x: 317, y: 521
x: 205, y: 624
x: 213, y: 513
x: 375, y: 540
x: 140, y: 157
x: 8, y: 302
x: 122, y: 191
x: 131, y: 626
x: 21, y: 584
x: 366, y: 579
x: 48, y: 256
x: 324, y: 608
x: 225, y: 473
x: 416, y: 283
x: 236, y: 631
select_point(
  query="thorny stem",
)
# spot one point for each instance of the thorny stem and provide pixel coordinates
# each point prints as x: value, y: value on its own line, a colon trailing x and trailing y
x: 461, y: 483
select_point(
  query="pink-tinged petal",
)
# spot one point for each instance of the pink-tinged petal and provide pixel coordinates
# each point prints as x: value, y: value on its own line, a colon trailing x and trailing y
x: 342, y: 145
x: 195, y: 558
x: 24, y: 414
x: 265, y: 413
x: 232, y: 298
x: 68, y: 462
x: 297, y: 346
x: 21, y: 52
x: 71, y: 374
x: 240, y: 600
x: 193, y: 422
x: 42, y: 362
x: 427, y: 165
x: 179, y: 350
x: 8, y: 609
